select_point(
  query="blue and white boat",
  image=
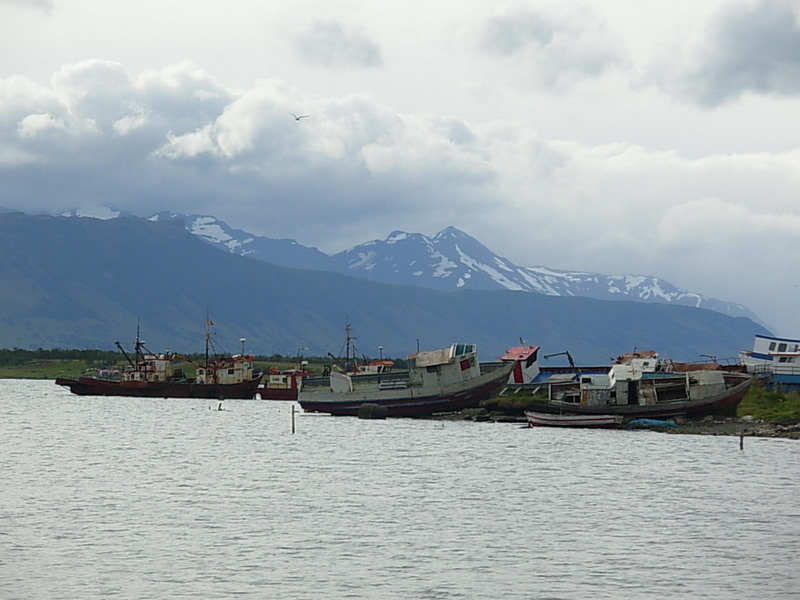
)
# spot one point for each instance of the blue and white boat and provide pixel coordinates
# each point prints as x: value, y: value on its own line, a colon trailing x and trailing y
x: 775, y: 357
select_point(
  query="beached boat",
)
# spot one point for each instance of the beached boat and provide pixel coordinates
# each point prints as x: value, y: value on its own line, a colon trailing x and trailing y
x: 772, y: 355
x: 150, y: 375
x: 776, y: 359
x: 286, y: 384
x: 640, y: 385
x: 536, y: 419
x: 443, y: 380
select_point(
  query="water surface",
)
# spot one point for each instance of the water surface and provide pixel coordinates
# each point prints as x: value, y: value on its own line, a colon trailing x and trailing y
x: 136, y: 498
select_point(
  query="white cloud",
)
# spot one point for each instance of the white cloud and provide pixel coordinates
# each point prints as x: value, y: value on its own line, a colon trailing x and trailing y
x: 44, y: 5
x: 554, y: 50
x: 331, y: 44
x: 36, y: 125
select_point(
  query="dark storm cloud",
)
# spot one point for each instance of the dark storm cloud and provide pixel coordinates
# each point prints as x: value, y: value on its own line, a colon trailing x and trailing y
x: 330, y: 44
x: 549, y: 49
x: 750, y: 48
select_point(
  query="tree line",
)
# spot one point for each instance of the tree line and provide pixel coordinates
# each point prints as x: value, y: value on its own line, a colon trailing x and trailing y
x: 19, y: 356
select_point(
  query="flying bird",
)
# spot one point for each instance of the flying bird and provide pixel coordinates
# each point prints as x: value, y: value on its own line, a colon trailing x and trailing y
x: 298, y: 117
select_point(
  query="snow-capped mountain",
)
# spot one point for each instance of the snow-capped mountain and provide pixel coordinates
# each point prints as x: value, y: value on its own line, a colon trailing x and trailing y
x: 449, y: 260
x: 284, y: 252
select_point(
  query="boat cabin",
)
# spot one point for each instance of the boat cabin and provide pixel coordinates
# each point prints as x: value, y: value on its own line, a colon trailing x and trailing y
x: 227, y: 370
x: 772, y: 355
x: 526, y: 363
x: 151, y: 367
x: 447, y: 366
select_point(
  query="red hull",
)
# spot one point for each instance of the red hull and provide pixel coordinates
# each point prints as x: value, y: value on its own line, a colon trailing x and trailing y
x: 88, y: 386
x: 267, y: 393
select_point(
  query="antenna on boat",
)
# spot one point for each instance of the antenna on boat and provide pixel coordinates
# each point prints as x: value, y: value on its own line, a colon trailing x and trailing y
x: 242, y: 341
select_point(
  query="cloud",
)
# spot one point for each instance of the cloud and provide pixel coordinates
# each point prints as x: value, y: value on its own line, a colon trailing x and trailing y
x: 746, y: 48
x: 331, y: 44
x: 552, y: 50
x: 174, y: 139
x: 43, y: 5
x: 96, y: 93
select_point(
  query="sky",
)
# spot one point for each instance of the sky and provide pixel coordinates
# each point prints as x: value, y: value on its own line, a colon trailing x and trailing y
x: 653, y: 138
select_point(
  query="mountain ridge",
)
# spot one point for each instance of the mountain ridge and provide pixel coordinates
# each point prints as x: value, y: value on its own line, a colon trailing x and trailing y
x: 449, y: 260
x: 85, y: 283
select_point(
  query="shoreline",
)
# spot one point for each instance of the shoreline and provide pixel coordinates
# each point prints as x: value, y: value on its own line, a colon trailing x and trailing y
x: 711, y: 425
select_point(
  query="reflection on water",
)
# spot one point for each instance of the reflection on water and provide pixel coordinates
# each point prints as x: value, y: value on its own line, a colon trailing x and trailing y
x: 129, y: 498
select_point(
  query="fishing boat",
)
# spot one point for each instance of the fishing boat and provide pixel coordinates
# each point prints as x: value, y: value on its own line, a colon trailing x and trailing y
x: 286, y: 384
x: 282, y: 385
x: 151, y: 375
x: 641, y: 385
x: 536, y: 419
x: 444, y: 380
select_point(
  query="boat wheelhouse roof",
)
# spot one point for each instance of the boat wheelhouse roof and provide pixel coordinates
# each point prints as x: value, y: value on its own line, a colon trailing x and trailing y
x: 772, y: 338
x: 519, y: 353
x: 432, y: 358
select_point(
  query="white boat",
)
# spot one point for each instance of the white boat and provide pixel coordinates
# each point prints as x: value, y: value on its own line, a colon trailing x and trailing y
x: 443, y: 380
x: 772, y: 355
x: 586, y: 421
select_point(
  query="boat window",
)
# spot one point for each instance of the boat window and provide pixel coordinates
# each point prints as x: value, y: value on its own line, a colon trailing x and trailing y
x: 231, y: 371
x: 771, y: 346
x: 781, y: 347
x: 459, y: 349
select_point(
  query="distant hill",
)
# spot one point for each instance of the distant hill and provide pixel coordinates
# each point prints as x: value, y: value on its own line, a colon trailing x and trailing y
x: 448, y: 261
x: 84, y: 283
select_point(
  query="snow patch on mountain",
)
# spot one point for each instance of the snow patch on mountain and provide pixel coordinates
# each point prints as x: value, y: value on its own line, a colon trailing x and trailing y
x: 104, y: 213
x: 443, y: 267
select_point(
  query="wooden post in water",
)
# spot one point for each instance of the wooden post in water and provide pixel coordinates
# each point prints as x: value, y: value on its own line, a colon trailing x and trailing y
x: 292, y: 418
x: 741, y: 440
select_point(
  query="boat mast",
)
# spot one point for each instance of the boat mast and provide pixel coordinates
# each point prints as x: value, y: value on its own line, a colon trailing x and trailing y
x: 139, y: 344
x: 348, y: 343
x: 207, y: 342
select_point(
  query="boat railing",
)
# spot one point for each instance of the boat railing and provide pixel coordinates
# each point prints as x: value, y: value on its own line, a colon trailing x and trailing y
x: 368, y: 378
x: 777, y: 369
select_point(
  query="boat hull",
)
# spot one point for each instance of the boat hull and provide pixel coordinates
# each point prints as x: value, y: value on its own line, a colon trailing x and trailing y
x: 582, y: 421
x: 409, y: 402
x: 724, y: 402
x: 268, y: 393
x: 88, y: 386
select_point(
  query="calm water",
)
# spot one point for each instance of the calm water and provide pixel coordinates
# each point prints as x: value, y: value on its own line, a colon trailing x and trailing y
x: 127, y: 498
